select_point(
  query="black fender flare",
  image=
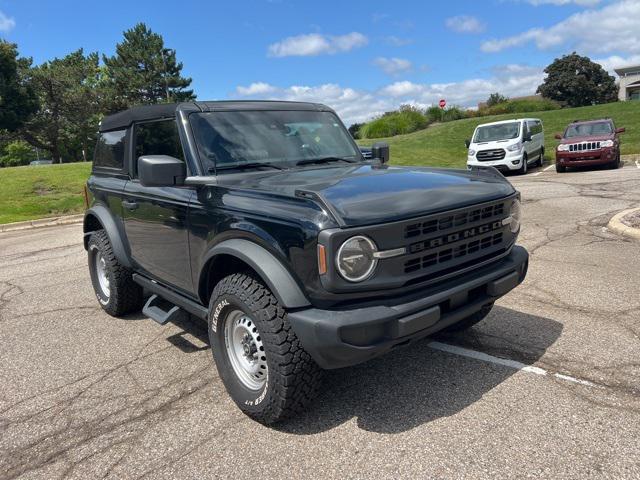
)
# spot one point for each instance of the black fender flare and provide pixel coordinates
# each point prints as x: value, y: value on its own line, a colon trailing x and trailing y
x: 267, y: 266
x: 111, y: 228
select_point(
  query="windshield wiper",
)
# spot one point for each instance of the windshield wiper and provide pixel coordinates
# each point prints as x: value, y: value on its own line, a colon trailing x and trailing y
x: 308, y: 161
x: 243, y: 166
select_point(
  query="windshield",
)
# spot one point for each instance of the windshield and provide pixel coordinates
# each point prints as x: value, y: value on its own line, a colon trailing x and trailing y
x: 588, y: 129
x: 281, y: 139
x: 502, y: 131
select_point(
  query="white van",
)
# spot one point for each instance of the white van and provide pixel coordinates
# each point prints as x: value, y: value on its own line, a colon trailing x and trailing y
x: 509, y: 145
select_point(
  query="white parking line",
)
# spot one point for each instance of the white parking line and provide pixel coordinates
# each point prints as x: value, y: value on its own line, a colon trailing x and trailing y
x: 637, y: 164
x: 465, y: 352
x: 548, y: 168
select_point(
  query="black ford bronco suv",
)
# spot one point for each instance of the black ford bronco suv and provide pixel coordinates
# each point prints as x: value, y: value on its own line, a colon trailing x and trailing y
x: 265, y: 220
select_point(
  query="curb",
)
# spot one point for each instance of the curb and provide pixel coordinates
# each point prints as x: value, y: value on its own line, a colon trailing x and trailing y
x: 616, y: 225
x: 42, y: 222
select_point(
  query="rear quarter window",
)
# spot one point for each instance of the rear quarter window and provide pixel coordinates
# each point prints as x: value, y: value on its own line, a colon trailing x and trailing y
x: 109, y: 151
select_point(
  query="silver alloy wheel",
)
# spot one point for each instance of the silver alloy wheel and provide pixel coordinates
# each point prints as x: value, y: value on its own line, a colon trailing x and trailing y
x: 245, y: 350
x: 101, y: 273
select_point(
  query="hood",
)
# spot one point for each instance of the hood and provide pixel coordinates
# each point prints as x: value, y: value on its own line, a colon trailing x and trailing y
x: 588, y: 138
x: 366, y: 194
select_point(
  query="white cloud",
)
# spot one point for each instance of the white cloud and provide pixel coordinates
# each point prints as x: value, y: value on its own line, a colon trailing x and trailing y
x: 582, y: 3
x: 360, y: 105
x: 615, y: 27
x: 316, y: 44
x: 257, y: 88
x: 398, y: 41
x: 6, y: 23
x: 392, y: 66
x: 465, y: 24
x: 616, y: 61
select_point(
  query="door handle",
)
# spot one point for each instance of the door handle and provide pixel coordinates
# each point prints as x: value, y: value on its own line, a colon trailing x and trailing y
x: 129, y: 205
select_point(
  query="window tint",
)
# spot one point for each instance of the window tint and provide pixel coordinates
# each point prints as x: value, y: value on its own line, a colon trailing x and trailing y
x: 158, y: 138
x: 535, y: 127
x: 501, y: 131
x: 109, y: 151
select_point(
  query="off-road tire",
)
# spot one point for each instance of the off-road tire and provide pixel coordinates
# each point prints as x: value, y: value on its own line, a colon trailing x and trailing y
x: 525, y: 165
x: 293, y: 378
x: 125, y: 296
x: 471, y: 320
x: 560, y: 168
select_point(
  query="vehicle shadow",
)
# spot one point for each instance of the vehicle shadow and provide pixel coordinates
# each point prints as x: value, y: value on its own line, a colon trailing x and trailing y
x: 417, y: 384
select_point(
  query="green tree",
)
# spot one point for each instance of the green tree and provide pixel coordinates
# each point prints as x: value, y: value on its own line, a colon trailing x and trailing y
x: 69, y: 97
x: 143, y: 71
x: 17, y: 153
x: 495, y: 99
x: 17, y: 98
x: 577, y: 81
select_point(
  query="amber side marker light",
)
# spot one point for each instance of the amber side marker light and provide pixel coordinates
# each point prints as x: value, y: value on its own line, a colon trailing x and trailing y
x: 322, y: 260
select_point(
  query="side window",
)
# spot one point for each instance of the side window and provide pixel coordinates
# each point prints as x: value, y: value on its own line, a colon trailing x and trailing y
x: 109, y: 151
x: 157, y: 138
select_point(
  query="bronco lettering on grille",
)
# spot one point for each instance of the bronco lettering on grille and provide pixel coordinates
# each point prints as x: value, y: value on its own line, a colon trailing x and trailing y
x: 454, y: 237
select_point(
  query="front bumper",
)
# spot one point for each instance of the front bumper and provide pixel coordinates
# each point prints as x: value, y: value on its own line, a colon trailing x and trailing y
x: 340, y: 338
x: 584, y: 159
x: 512, y: 161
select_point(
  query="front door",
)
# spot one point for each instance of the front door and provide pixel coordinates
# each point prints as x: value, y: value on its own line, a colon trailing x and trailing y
x: 156, y: 218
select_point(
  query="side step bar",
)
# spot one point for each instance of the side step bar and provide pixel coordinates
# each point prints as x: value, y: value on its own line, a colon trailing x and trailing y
x: 158, y: 310
x: 161, y: 311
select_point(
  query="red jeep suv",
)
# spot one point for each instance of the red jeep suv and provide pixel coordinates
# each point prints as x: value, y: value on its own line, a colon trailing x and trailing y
x: 587, y: 143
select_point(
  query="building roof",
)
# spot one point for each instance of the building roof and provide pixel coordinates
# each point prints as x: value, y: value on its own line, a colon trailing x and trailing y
x: 141, y: 113
x: 627, y: 70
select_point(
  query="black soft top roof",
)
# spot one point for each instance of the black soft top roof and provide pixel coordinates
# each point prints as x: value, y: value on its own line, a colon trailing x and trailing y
x: 142, y: 113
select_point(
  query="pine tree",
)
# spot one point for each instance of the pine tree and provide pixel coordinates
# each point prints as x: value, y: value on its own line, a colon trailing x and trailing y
x: 143, y: 71
x: 17, y: 98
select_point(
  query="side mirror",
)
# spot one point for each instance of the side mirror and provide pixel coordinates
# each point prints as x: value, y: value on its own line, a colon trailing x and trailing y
x: 527, y: 137
x: 161, y: 171
x: 558, y: 136
x: 467, y: 142
x: 621, y: 130
x: 380, y: 150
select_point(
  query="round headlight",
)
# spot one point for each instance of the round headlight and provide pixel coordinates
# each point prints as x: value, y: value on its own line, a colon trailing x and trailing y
x: 355, y: 260
x: 516, y: 216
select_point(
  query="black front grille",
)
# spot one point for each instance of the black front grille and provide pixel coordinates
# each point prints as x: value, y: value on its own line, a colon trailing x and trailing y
x: 447, y: 241
x: 489, y: 155
x: 458, y: 251
x: 449, y: 221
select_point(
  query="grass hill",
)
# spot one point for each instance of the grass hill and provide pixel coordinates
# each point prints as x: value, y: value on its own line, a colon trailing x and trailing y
x: 443, y: 144
x: 42, y: 191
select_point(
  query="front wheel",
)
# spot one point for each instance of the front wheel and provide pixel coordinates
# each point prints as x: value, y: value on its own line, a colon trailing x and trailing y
x: 560, y: 168
x: 259, y: 358
x: 616, y: 163
x: 525, y: 165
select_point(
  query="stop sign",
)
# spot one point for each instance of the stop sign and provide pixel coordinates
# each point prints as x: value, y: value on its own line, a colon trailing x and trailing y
x: 442, y: 103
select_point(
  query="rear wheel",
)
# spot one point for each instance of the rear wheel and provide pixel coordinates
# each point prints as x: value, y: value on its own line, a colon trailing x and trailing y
x: 259, y: 358
x: 540, y: 161
x: 471, y: 320
x: 113, y: 284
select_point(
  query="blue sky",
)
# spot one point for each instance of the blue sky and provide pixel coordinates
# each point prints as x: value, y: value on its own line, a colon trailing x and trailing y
x: 362, y: 58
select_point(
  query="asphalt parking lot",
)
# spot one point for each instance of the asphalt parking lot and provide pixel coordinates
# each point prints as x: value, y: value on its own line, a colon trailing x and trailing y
x: 548, y: 386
